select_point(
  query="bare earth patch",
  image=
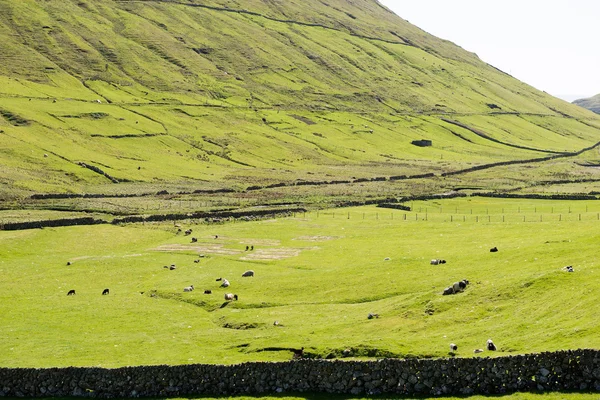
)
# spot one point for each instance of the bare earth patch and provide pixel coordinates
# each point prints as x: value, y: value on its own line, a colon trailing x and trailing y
x: 261, y: 242
x: 271, y: 254
x: 315, y: 238
x: 201, y: 248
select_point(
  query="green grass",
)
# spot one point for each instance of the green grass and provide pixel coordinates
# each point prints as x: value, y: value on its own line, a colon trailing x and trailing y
x: 319, y: 275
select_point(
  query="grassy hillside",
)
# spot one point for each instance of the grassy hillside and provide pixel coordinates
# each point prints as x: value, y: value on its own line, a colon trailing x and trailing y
x: 592, y: 103
x: 319, y: 275
x: 229, y: 94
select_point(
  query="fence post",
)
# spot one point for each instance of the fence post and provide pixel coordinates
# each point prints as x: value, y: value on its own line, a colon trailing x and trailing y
x: 580, y: 217
x: 348, y: 214
x: 477, y: 218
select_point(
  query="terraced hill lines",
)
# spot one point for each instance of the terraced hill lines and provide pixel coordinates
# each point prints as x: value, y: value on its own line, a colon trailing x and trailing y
x: 254, y: 93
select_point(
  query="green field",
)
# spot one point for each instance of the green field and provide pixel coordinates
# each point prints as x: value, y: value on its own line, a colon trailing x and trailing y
x: 318, y: 274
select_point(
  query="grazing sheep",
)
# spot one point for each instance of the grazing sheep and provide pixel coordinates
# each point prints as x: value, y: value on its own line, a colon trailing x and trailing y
x: 71, y: 292
x: 434, y: 262
x: 448, y: 290
x: 372, y: 315
x: 442, y: 261
x: 490, y: 345
x: 456, y: 287
x: 569, y: 268
x: 216, y: 236
x: 276, y: 323
x: 105, y: 292
x: 172, y: 267
x: 219, y: 279
x: 251, y: 247
x: 387, y: 259
x: 247, y: 248
x: 230, y: 296
x: 188, y: 288
x: 194, y: 240
x: 188, y: 232
x: 68, y: 262
x: 225, y: 283
x: 493, y: 250
x: 453, y: 347
x: 248, y: 273
x: 196, y: 261
x: 478, y: 351
x: 208, y: 291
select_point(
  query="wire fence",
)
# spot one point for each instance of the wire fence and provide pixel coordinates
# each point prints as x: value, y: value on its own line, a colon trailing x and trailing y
x: 402, y: 216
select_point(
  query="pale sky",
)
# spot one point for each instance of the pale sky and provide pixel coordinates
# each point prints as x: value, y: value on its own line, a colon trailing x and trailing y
x: 553, y: 45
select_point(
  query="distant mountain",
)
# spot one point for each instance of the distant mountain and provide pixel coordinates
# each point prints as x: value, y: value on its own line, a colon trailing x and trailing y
x: 591, y: 103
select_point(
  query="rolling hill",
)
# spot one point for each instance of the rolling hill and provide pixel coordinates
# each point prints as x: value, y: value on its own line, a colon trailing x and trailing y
x: 592, y: 103
x: 114, y: 96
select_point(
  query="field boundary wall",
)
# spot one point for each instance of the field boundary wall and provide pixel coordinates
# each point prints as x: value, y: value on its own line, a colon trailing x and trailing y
x: 573, y: 370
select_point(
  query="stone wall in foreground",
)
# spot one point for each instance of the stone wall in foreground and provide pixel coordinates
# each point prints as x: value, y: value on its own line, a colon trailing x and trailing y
x: 577, y: 370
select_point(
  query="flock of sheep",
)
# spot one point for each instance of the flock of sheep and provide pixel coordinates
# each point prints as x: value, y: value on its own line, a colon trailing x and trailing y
x: 490, y: 346
x: 224, y: 283
x: 456, y: 287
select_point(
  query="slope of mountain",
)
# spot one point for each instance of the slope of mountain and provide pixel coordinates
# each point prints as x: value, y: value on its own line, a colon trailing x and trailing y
x: 234, y: 93
x: 592, y: 103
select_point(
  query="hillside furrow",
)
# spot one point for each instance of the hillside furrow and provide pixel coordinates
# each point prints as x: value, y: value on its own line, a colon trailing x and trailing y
x: 285, y: 21
x: 488, y: 137
x: 515, y: 162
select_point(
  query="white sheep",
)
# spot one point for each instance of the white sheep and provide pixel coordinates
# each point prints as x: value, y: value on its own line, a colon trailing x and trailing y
x: 188, y: 288
x: 225, y: 283
x: 490, y: 345
x: 231, y: 296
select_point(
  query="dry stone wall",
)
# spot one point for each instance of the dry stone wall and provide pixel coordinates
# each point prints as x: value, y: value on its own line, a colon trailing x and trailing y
x: 577, y: 370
